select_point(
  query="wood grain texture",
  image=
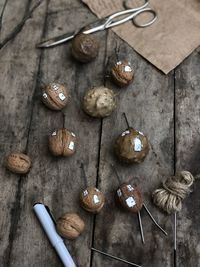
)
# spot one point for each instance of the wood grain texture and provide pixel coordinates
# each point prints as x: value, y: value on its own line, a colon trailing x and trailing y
x: 154, y: 104
x: 187, y: 84
x: 57, y: 181
x: 17, y: 74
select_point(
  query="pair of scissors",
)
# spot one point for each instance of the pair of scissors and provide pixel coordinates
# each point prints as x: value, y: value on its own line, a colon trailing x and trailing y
x: 106, y: 23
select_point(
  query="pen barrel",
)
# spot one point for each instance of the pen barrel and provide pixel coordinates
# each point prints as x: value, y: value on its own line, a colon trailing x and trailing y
x: 50, y: 230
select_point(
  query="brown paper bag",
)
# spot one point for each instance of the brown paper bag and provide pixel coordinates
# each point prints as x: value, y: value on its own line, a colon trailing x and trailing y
x: 167, y: 42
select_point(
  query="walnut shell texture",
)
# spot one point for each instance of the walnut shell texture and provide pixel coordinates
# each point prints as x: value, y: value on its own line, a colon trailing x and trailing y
x: 131, y: 146
x: 70, y: 225
x: 92, y: 200
x: 55, y: 96
x: 85, y: 47
x: 129, y: 198
x: 62, y: 142
x: 18, y: 163
x: 99, y: 102
x: 122, y: 73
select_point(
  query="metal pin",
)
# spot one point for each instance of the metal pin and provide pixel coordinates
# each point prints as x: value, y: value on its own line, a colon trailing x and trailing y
x: 126, y: 119
x: 116, y: 173
x: 141, y: 228
x: 175, y: 237
x: 152, y: 218
x: 115, y: 258
x: 84, y: 175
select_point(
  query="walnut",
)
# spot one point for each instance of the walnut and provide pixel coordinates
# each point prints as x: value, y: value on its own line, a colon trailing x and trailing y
x: 85, y: 47
x: 132, y: 146
x: 55, y: 96
x: 129, y: 198
x: 70, y: 225
x: 122, y: 73
x: 18, y: 163
x: 62, y: 142
x: 99, y: 102
x: 92, y: 199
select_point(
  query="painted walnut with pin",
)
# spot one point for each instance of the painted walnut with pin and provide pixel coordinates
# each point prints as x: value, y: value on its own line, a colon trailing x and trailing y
x: 99, y: 102
x: 55, y: 96
x: 62, y: 142
x: 131, y: 199
x: 85, y: 47
x: 131, y: 146
x: 18, y: 163
x: 91, y: 198
x: 122, y: 73
x: 70, y: 225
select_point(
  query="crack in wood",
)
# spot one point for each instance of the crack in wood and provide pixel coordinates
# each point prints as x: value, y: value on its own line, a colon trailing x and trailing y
x: 99, y: 153
x: 21, y: 24
x: 174, y: 122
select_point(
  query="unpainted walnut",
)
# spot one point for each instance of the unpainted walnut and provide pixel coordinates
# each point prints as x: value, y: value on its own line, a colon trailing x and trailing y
x: 70, y: 225
x: 130, y: 198
x: 55, y: 96
x: 131, y: 146
x: 85, y: 47
x: 99, y: 102
x: 62, y: 142
x: 18, y: 163
x: 122, y: 73
x: 92, y: 199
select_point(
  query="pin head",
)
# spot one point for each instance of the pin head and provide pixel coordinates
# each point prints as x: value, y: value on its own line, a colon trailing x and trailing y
x: 62, y: 142
x: 55, y: 96
x: 92, y: 199
x: 132, y: 146
x: 129, y: 198
x: 122, y: 73
x: 85, y: 47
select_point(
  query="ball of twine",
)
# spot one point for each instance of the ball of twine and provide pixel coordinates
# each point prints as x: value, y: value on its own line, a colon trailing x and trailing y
x: 169, y: 198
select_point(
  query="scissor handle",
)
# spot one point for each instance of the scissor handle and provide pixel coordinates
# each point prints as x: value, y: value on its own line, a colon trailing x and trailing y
x: 115, y: 19
x: 144, y: 10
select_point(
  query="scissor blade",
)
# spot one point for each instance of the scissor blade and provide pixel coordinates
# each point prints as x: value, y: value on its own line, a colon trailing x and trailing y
x: 56, y: 40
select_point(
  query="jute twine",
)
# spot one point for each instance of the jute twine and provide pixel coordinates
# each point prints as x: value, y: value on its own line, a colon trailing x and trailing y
x: 169, y: 198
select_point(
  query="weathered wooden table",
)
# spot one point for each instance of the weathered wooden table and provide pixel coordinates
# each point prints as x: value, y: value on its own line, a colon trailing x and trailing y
x: 166, y: 108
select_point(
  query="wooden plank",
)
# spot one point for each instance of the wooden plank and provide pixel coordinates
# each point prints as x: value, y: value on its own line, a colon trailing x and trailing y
x: 13, y: 17
x: 148, y: 103
x: 12, y: 14
x: 57, y: 181
x: 187, y: 86
x: 18, y: 69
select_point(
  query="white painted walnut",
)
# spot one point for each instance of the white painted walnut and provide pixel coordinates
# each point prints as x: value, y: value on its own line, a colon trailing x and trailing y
x: 70, y: 225
x: 99, y: 102
x: 130, y: 198
x: 92, y: 200
x: 18, y: 163
x: 55, y: 96
x: 131, y: 146
x: 122, y: 73
x: 85, y: 47
x: 62, y: 142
